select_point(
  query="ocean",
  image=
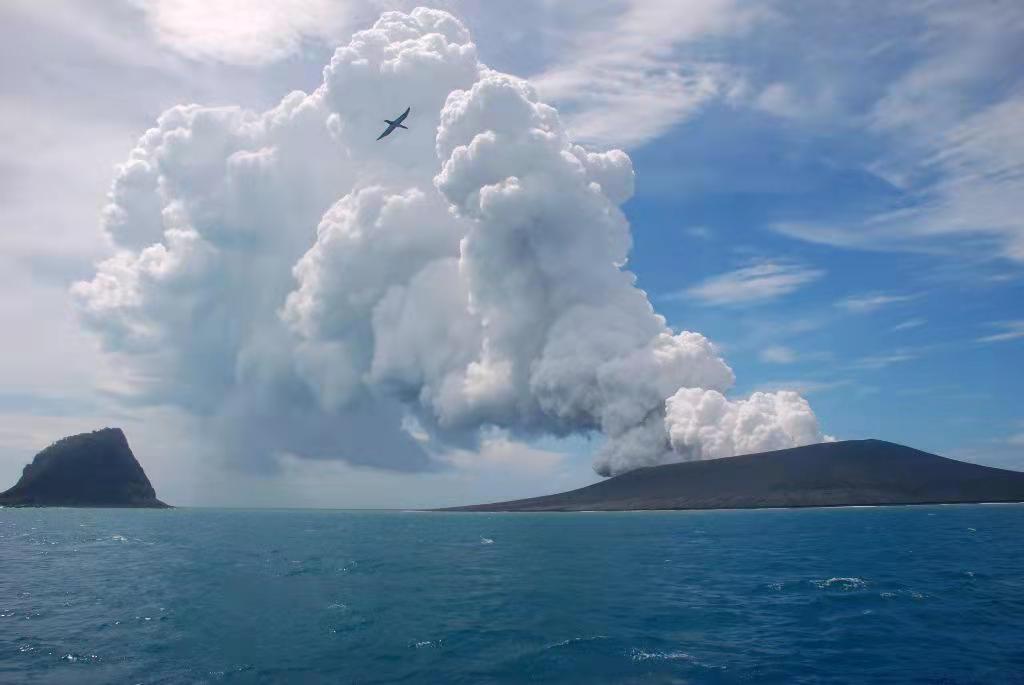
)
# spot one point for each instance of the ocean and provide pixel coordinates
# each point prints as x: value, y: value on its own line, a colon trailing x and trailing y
x: 883, y: 595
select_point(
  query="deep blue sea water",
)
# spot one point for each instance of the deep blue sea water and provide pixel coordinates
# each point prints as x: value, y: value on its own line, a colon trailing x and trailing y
x: 894, y: 595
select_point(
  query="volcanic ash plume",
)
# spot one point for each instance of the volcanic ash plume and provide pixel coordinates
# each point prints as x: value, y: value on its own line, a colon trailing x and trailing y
x: 301, y: 287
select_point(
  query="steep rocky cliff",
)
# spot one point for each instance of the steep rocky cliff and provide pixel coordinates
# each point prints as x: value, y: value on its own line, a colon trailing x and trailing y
x: 94, y: 469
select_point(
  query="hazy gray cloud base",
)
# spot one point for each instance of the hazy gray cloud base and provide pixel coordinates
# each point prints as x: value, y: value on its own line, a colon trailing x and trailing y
x: 304, y: 289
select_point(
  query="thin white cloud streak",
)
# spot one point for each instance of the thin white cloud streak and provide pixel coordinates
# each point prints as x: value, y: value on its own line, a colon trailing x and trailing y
x: 880, y: 361
x: 864, y: 304
x: 778, y: 354
x: 909, y: 324
x: 852, y: 234
x: 756, y: 283
x: 1012, y: 330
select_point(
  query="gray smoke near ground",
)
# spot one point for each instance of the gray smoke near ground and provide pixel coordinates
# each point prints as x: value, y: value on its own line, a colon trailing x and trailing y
x: 302, y: 288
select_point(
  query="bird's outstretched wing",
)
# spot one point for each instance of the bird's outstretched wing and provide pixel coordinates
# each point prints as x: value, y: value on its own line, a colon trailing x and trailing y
x: 397, y: 123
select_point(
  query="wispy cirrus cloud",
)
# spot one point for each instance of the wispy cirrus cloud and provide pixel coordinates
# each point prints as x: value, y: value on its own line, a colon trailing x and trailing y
x: 630, y: 79
x: 950, y: 129
x: 778, y: 354
x: 1011, y: 330
x: 880, y: 361
x: 759, y: 282
x: 916, y: 322
x: 784, y: 355
x: 783, y: 100
x: 864, y: 304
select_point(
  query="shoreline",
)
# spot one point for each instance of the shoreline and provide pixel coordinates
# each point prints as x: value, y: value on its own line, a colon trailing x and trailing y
x: 461, y: 510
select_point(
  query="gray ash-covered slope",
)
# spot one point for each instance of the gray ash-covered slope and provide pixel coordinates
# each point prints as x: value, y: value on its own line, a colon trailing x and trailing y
x: 94, y: 469
x: 852, y: 472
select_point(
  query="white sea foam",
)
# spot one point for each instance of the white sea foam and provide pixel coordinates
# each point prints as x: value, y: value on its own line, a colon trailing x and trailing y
x: 574, y: 640
x: 637, y: 654
x: 423, y: 644
x: 72, y: 658
x: 486, y: 541
x: 640, y: 655
x: 840, y: 584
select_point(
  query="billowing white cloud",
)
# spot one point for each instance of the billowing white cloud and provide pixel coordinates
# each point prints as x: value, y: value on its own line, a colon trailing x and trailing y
x: 305, y: 289
x: 707, y: 425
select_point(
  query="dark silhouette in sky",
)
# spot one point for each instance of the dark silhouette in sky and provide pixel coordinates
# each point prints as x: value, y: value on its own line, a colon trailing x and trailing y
x: 397, y: 123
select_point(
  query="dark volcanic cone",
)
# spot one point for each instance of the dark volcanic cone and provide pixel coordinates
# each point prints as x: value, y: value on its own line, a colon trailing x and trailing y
x: 94, y: 469
x: 852, y: 472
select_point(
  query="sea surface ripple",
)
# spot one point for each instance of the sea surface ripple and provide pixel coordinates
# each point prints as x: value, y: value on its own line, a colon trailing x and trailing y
x: 881, y: 595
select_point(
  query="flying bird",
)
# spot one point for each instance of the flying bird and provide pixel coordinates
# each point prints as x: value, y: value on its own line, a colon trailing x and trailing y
x: 397, y: 123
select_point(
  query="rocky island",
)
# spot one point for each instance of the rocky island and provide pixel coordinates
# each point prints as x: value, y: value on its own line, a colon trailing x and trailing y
x: 851, y: 472
x: 94, y: 469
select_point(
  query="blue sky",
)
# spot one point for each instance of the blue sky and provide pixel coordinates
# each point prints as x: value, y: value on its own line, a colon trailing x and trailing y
x: 832, y: 194
x: 887, y: 343
x: 892, y: 336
